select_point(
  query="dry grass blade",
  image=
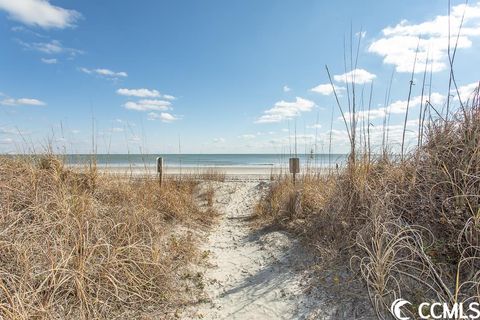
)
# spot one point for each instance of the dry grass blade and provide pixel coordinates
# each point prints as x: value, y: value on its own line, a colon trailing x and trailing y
x: 86, y: 245
x: 409, y: 227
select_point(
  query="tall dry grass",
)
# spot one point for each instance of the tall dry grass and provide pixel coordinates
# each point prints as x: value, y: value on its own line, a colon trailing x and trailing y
x: 85, y: 245
x: 407, y: 226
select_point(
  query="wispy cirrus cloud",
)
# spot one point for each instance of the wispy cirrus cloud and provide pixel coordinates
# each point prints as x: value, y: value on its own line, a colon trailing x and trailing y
x: 52, y: 47
x: 169, y: 97
x: 22, y: 102
x: 286, y: 140
x: 247, y: 136
x: 49, y: 61
x: 40, y: 13
x: 283, y: 110
x: 398, y: 44
x: 6, y: 141
x: 25, y: 30
x: 219, y: 140
x: 105, y: 73
x: 7, y: 131
x: 12, y: 131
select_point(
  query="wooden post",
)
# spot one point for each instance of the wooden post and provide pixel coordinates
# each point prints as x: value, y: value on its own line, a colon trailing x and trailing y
x: 160, y: 170
x: 294, y: 164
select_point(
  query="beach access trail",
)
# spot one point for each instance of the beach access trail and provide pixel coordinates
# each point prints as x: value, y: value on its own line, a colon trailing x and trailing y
x: 250, y: 274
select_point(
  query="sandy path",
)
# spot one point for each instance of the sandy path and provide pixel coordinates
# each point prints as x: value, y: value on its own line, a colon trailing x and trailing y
x: 252, y: 274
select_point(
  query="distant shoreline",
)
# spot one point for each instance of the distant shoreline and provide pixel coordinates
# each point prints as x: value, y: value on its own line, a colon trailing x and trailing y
x: 256, y: 163
x: 235, y: 172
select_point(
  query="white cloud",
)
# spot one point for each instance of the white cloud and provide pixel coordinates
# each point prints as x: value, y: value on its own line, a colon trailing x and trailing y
x: 219, y: 140
x: 52, y: 47
x: 39, y: 13
x: 283, y: 110
x: 286, y: 140
x: 7, y: 131
x: 49, y: 61
x: 362, y: 34
x: 135, y: 139
x: 141, y: 93
x: 398, y: 44
x: 358, y: 76
x: 466, y: 91
x: 30, y: 102
x: 169, y: 97
x: 117, y: 129
x: 163, y: 116
x: 340, y: 138
x: 27, y: 31
x: 286, y: 88
x: 247, y: 136
x: 6, y: 141
x: 395, y: 134
x: 110, y: 73
x: 13, y: 131
x: 302, y: 137
x: 326, y: 89
x: 22, y: 102
x: 105, y: 73
x: 399, y: 107
x: 148, y: 105
x: 314, y: 126
x: 160, y: 104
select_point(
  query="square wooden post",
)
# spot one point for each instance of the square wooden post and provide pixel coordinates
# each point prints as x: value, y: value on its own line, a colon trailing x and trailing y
x: 294, y: 164
x: 160, y: 170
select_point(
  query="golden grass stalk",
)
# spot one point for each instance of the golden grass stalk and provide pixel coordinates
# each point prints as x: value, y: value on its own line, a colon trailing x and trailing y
x: 86, y: 245
x: 409, y: 228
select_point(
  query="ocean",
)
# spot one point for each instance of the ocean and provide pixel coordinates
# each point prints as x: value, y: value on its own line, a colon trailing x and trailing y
x: 205, y: 160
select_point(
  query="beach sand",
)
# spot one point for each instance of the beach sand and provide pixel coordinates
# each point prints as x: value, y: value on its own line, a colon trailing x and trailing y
x: 251, y: 274
x: 230, y: 170
x: 238, y: 173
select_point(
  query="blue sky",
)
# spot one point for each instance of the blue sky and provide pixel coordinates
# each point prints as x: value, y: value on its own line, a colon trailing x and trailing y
x: 217, y: 76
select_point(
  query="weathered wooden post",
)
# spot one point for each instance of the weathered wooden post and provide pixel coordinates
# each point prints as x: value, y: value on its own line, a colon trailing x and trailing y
x: 160, y: 170
x: 294, y: 164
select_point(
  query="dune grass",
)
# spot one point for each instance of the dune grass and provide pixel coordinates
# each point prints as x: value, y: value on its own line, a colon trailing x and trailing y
x: 86, y: 245
x: 407, y: 226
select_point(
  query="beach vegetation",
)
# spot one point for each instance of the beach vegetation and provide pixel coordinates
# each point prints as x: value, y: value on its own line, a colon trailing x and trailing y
x: 88, y: 245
